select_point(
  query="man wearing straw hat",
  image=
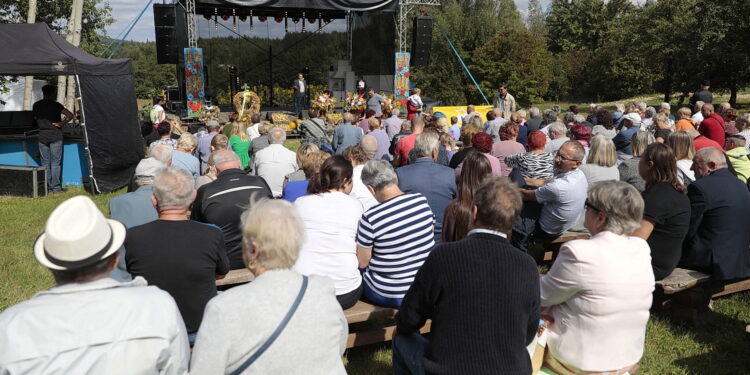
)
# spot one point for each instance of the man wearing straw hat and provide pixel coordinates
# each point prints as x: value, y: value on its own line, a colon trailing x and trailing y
x: 90, y: 323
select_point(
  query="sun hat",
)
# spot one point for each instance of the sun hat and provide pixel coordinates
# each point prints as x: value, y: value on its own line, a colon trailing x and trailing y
x: 633, y: 117
x: 77, y: 235
x: 148, y: 167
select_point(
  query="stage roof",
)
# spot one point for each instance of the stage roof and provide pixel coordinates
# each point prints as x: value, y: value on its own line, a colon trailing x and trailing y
x: 302, y: 5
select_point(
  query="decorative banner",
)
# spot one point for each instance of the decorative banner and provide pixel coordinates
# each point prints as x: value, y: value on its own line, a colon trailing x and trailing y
x: 401, y: 78
x: 194, y: 82
x: 460, y: 111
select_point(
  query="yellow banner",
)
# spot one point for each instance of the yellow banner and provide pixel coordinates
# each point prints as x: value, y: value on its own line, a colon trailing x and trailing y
x: 460, y: 111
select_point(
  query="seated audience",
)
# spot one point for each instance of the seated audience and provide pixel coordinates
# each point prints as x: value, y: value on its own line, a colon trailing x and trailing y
x: 314, y: 130
x: 205, y: 142
x: 435, y: 182
x: 392, y: 123
x: 89, y: 323
x: 164, y: 130
x: 631, y: 124
x: 682, y: 146
x: 666, y: 216
x: 629, y: 167
x: 370, y: 145
x: 700, y: 141
x: 581, y: 133
x: 712, y: 126
x: 222, y: 201
x: 719, y: 204
x: 274, y: 162
x: 482, y: 142
x: 495, y: 121
x: 382, y: 139
x: 604, y: 124
x: 183, y: 157
x: 330, y: 217
x: 261, y: 141
x: 346, y: 135
x: 448, y: 144
x: 661, y: 128
x: 535, y: 120
x: 394, y: 237
x: 481, y: 295
x: 304, y: 151
x: 238, y: 323
x: 743, y: 126
x: 467, y: 133
x: 598, y: 292
x: 358, y: 157
x: 506, y: 146
x: 210, y: 174
x: 180, y: 256
x: 536, y: 163
x: 738, y: 156
x: 406, y: 144
x: 684, y: 120
x: 311, y: 164
x: 404, y: 131
x: 557, y: 134
x: 729, y: 115
x: 241, y: 143
x: 459, y: 214
x: 455, y: 129
x: 253, y: 131
x: 601, y: 164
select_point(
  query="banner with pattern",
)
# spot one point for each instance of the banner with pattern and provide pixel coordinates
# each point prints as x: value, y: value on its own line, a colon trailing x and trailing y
x: 401, y: 78
x: 194, y: 81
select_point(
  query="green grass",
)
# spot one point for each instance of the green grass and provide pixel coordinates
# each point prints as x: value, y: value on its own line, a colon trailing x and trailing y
x: 720, y: 348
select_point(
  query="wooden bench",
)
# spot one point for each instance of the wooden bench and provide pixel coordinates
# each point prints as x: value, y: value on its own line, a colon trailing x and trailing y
x: 368, y: 324
x: 561, y: 239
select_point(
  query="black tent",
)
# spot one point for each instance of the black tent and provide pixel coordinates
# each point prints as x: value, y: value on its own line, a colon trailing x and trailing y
x: 108, y: 106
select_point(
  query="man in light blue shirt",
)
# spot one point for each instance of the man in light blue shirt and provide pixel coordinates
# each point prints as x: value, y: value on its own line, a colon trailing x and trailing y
x: 346, y: 135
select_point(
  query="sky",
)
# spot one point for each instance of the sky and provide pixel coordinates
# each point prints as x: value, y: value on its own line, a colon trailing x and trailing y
x: 124, y: 11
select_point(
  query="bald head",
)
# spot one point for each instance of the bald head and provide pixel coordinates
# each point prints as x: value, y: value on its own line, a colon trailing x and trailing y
x: 370, y: 145
x: 707, y: 160
x: 225, y: 159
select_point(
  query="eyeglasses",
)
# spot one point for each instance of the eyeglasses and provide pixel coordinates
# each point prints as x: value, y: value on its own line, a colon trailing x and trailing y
x: 591, y: 206
x: 563, y: 157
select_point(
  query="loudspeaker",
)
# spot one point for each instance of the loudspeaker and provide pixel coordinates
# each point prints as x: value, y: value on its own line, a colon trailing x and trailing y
x: 23, y: 181
x: 171, y: 33
x: 421, y: 41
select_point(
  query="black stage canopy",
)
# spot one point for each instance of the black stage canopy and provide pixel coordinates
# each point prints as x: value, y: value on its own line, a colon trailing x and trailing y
x: 108, y: 106
x: 317, y: 5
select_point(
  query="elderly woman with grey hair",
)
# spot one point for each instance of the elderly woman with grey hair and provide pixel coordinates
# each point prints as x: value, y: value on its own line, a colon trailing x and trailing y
x: 394, y: 237
x: 597, y: 294
x: 629, y: 168
x: 298, y: 314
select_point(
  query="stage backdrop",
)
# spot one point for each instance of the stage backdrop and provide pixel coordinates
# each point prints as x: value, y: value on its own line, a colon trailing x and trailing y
x: 401, y: 78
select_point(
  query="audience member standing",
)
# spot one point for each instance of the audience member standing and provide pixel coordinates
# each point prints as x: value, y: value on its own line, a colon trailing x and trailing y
x: 481, y: 294
x: 504, y: 101
x: 330, y: 216
x: 48, y: 114
x: 89, y: 323
x: 703, y: 95
x: 394, y: 237
x: 274, y: 162
x: 346, y: 135
x: 240, y: 321
x: 435, y: 182
x: 222, y: 201
x: 719, y: 204
x: 598, y: 291
x: 180, y: 256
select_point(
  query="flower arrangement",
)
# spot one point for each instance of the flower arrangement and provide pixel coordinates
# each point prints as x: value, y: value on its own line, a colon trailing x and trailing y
x: 354, y: 102
x: 324, y: 101
x: 391, y: 104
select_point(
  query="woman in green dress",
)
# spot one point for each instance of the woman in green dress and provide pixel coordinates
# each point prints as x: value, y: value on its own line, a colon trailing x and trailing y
x: 240, y: 143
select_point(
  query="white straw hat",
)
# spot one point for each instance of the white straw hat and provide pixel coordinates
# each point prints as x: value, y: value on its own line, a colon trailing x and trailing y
x: 77, y: 235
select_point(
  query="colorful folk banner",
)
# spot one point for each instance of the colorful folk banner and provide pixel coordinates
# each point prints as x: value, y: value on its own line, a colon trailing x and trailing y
x: 194, y: 81
x: 401, y: 78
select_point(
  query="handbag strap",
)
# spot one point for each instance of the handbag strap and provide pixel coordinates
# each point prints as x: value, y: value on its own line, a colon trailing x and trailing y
x: 277, y: 331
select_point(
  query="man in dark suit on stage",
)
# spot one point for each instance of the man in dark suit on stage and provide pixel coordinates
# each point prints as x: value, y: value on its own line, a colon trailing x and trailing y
x: 300, y: 90
x: 718, y: 240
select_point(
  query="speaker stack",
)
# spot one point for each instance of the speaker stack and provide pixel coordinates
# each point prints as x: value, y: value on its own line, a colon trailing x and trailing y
x: 171, y: 33
x: 421, y: 41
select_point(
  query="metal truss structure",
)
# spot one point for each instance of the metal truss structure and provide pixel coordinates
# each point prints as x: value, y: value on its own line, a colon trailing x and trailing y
x: 405, y: 7
x: 190, y: 21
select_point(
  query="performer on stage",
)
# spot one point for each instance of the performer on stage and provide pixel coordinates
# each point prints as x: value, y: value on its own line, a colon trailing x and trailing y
x: 361, y: 84
x: 48, y: 113
x: 300, y: 89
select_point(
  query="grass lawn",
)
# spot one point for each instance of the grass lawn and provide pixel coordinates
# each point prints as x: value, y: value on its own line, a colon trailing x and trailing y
x: 722, y: 348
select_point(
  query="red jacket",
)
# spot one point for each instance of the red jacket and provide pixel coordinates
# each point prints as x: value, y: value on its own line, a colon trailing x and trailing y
x: 713, y: 128
x: 702, y: 142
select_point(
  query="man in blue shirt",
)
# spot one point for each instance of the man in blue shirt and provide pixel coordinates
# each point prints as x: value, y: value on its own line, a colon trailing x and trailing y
x: 346, y: 135
x: 631, y: 123
x: 436, y: 182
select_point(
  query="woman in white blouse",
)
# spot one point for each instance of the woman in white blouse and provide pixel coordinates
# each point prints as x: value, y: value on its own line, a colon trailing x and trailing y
x: 598, y: 292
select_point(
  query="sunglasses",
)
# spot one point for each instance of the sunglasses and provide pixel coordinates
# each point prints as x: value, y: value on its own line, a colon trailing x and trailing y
x: 591, y: 206
x: 563, y: 157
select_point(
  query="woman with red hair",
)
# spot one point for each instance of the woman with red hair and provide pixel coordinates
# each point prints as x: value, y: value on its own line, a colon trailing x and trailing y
x: 482, y: 142
x: 581, y: 133
x: 534, y: 164
x: 506, y: 146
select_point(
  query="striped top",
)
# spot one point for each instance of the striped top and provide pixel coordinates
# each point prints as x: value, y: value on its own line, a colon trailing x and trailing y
x: 400, y: 233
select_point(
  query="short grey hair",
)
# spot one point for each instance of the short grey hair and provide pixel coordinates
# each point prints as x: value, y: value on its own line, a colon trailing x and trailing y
x: 640, y: 141
x: 370, y: 144
x: 699, y: 104
x: 425, y: 144
x: 568, y: 117
x: 276, y: 135
x: 550, y: 116
x: 534, y: 112
x: 174, y: 187
x: 641, y: 106
x: 276, y: 230
x: 558, y: 128
x: 665, y: 105
x: 406, y: 125
x: 162, y: 153
x: 621, y: 202
x: 579, y: 118
x: 379, y: 174
x: 348, y: 118
x: 650, y: 112
x: 712, y: 155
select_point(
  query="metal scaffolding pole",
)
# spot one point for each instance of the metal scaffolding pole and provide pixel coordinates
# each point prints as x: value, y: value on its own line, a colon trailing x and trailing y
x: 405, y: 8
x: 190, y: 22
x: 29, y: 80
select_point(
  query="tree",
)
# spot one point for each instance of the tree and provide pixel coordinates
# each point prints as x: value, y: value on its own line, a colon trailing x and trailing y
x: 581, y: 24
x: 519, y: 58
x: 536, y: 19
x: 468, y: 24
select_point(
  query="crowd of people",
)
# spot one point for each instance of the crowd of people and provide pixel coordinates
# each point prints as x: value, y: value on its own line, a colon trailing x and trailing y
x: 438, y: 220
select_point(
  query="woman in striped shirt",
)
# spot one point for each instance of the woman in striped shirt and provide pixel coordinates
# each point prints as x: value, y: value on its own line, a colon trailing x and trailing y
x: 394, y: 237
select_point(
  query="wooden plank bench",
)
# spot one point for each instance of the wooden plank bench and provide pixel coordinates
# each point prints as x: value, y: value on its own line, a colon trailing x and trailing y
x: 561, y: 239
x: 368, y: 324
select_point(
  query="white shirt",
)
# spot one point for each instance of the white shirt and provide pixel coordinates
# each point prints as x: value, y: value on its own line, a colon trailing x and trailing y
x: 330, y: 249
x: 599, y: 291
x: 360, y: 190
x: 683, y: 168
x: 273, y: 163
x: 554, y: 144
x: 253, y: 132
x: 99, y: 327
x: 301, y: 85
x: 563, y: 200
x: 698, y: 117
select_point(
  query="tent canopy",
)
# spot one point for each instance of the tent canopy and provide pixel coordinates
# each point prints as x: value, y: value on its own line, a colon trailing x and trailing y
x: 323, y: 5
x: 108, y: 105
x: 35, y: 49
